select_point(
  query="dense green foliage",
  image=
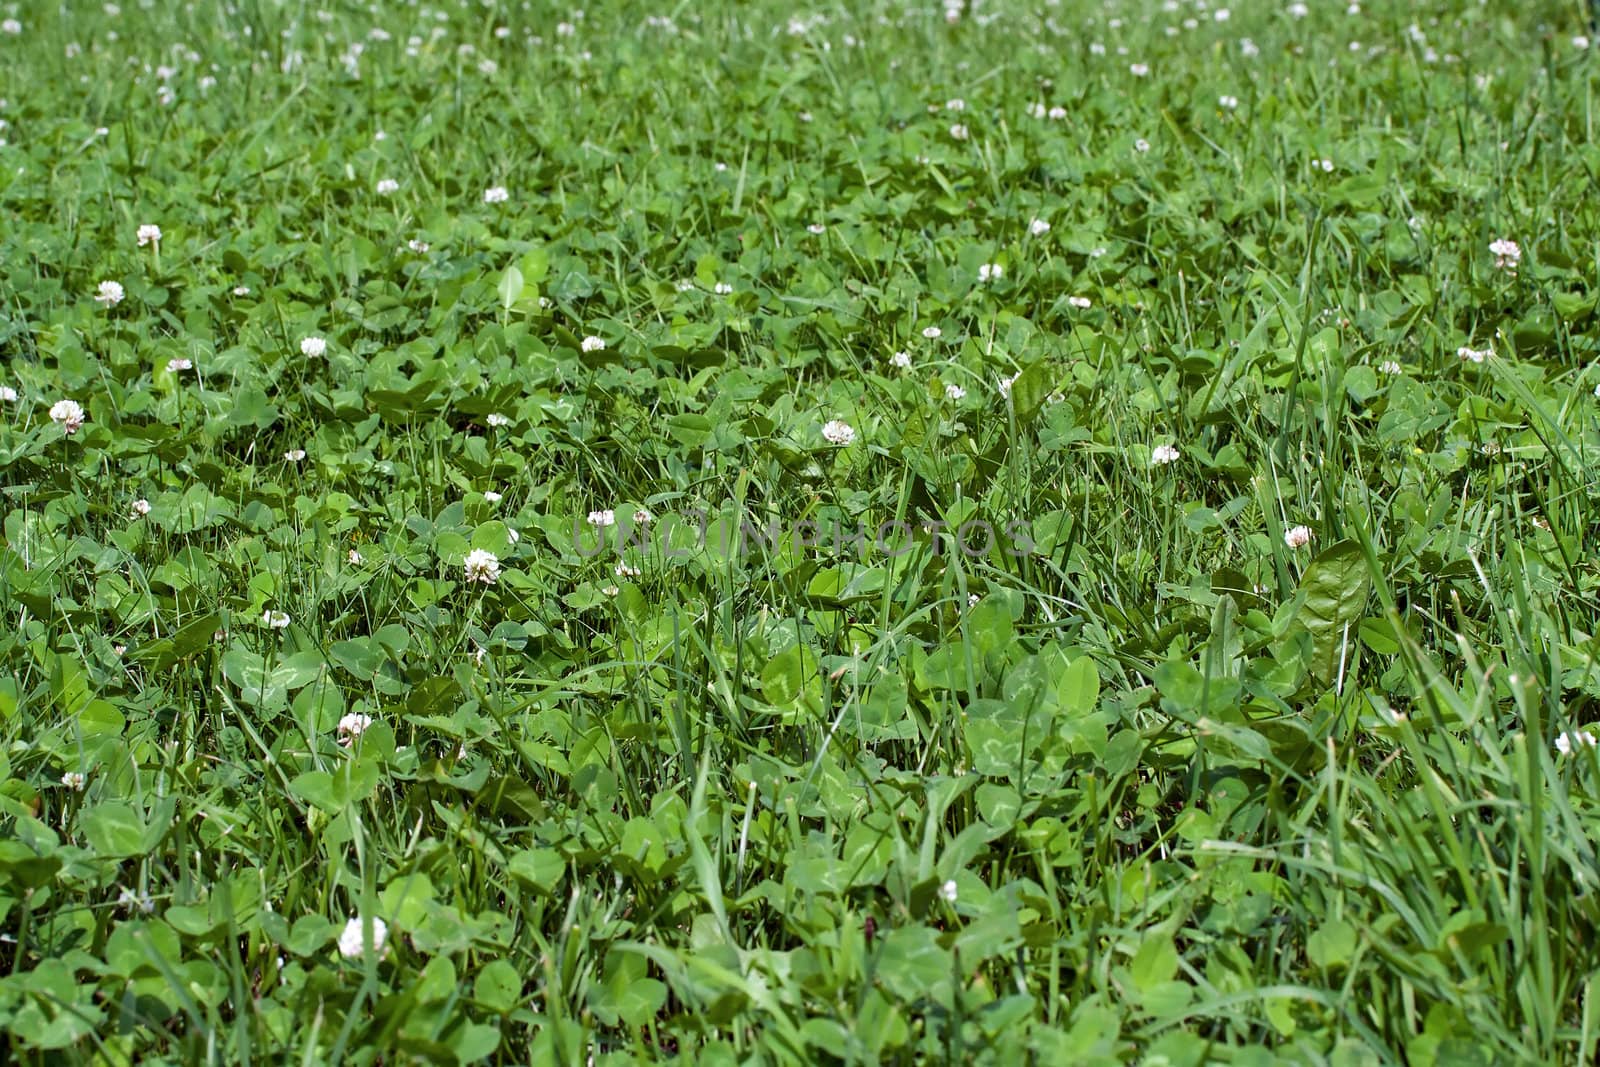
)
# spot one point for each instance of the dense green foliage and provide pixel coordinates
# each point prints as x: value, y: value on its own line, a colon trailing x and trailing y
x: 1256, y: 725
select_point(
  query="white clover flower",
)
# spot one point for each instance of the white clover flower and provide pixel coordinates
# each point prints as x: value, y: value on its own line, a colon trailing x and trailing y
x: 624, y: 571
x: 1082, y: 303
x: 956, y: 104
x: 352, y: 726
x: 1007, y: 383
x: 1298, y: 10
x: 241, y: 290
x: 816, y: 229
x: 11, y: 26
x: 1057, y: 113
x: 1221, y: 14
x: 482, y: 565
x: 932, y: 333
x: 900, y: 360
x: 684, y: 285
x: 74, y: 781
x: 140, y: 508
x: 354, y: 558
x: 110, y: 294
x: 313, y: 347
x: 1389, y: 366
x: 959, y: 132
x: 990, y: 272
x: 1297, y: 537
x: 353, y: 942
x: 67, y: 414
x: 1139, y: 70
x: 1227, y: 102
x: 954, y: 392
x: 593, y: 343
x: 1572, y: 739
x: 1038, y: 227
x: 275, y: 620
x: 491, y: 496
x: 642, y: 517
x: 1325, y: 165
x: 1596, y: 393
x: 130, y: 901
x: 174, y: 366
x: 1161, y: 455
x: 1473, y: 355
x: 387, y: 186
x: 1507, y: 254
x: 8, y: 395
x: 295, y: 455
x: 838, y: 432
x: 1580, y: 42
x: 1141, y: 145
x: 496, y: 194
x: 722, y: 288
x: 1248, y: 48
x: 606, y: 517
x: 149, y: 234
x: 948, y: 891
x: 418, y: 247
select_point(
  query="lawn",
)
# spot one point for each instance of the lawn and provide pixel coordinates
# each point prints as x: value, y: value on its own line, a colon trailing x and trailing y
x: 732, y: 533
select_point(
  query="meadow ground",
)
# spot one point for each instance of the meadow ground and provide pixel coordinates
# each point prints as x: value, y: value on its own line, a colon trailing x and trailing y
x: 1056, y: 532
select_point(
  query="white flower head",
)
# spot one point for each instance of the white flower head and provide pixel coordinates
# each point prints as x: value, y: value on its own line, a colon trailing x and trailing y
x: 149, y: 234
x: 491, y: 496
x: 109, y: 294
x: 1057, y: 113
x: 314, y: 347
x: 353, y: 943
x: 1141, y: 145
x: 67, y: 414
x: 1389, y: 366
x: 174, y: 366
x: 816, y: 229
x: 418, y: 247
x: 932, y: 333
x: 1297, y: 536
x: 8, y: 395
x: 295, y: 455
x: 74, y: 781
x: 497, y: 420
x: 1227, y: 103
x: 1139, y: 70
x: 1038, y: 227
x: 352, y: 726
x: 1007, y: 383
x: 990, y: 272
x: 642, y: 517
x: 483, y: 566
x: 948, y: 891
x: 241, y: 290
x: 722, y: 288
x: 954, y: 392
x: 838, y: 432
x: 140, y: 508
x: 1082, y: 303
x: 593, y: 343
x: 387, y: 186
x: 1507, y: 254
x: 959, y: 132
x: 1161, y: 455
x: 354, y: 558
x: 275, y: 620
x: 603, y: 518
x: 1572, y: 739
x: 900, y: 360
x: 1468, y: 354
x: 496, y: 194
